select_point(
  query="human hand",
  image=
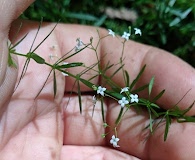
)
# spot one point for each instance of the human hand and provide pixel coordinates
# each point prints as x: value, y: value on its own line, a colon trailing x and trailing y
x: 44, y: 129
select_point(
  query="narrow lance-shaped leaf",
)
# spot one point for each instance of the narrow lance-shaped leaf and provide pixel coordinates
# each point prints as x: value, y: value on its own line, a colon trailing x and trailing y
x: 158, y: 96
x: 44, y: 38
x: 186, y: 119
x: 17, y: 43
x: 187, y: 110
x: 119, y: 116
x: 127, y: 79
x: 44, y: 84
x: 140, y: 88
x: 23, y: 71
x: 37, y: 58
x: 87, y: 83
x: 79, y: 96
x: 151, y: 120
x: 114, y: 94
x: 167, y: 126
x: 121, y: 67
x: 11, y: 63
x: 54, y: 83
x: 70, y: 65
x: 63, y: 58
x: 137, y: 78
x: 150, y: 85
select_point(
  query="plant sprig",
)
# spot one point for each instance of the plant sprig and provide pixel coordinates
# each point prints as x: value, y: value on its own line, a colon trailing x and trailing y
x: 127, y: 97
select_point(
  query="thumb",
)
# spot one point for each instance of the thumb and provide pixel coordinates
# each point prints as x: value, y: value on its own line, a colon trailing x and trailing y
x: 11, y: 10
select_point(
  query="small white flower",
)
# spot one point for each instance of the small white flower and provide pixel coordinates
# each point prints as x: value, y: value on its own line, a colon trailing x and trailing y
x: 138, y: 31
x: 125, y: 89
x: 100, y: 90
x: 111, y: 33
x: 126, y: 35
x: 123, y: 101
x: 114, y: 140
x: 79, y: 44
x: 134, y: 98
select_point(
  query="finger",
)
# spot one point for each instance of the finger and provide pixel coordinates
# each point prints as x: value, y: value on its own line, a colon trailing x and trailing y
x: 91, y: 153
x: 37, y: 128
x: 11, y: 10
x: 136, y: 140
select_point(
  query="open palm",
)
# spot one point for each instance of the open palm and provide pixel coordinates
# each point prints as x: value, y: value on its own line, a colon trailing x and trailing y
x: 53, y: 128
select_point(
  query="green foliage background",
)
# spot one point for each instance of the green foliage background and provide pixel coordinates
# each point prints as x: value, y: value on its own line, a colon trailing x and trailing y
x: 167, y: 24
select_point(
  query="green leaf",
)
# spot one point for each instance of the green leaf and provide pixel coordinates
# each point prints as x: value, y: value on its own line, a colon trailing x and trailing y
x: 151, y: 120
x: 186, y: 119
x: 11, y: 63
x: 100, y: 21
x: 155, y: 105
x: 17, y: 43
x: 171, y: 3
x: 44, y: 38
x: 168, y: 123
x: 180, y: 17
x: 23, y: 71
x: 79, y: 96
x: 82, y: 16
x: 54, y: 83
x: 119, y: 116
x: 44, y: 84
x: 150, y: 85
x: 137, y: 78
x: 127, y: 79
x: 186, y: 110
x: 174, y: 22
x: 114, y: 94
x: 87, y: 83
x: 185, y: 13
x: 71, y: 65
x: 37, y: 58
x: 158, y: 96
x: 140, y: 89
x: 154, y: 112
x: 116, y: 71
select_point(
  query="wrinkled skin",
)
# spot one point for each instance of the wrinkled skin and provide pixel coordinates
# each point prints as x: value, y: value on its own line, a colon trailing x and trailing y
x: 46, y: 128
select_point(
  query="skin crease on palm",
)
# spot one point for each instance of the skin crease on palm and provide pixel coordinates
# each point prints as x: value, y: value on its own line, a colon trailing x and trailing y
x: 45, y: 129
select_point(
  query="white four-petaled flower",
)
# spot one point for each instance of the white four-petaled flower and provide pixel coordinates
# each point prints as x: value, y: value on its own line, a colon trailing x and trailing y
x: 126, y: 35
x: 111, y: 33
x: 134, y: 98
x: 100, y: 90
x: 125, y: 89
x: 123, y: 101
x: 138, y: 31
x: 79, y: 44
x: 114, y: 141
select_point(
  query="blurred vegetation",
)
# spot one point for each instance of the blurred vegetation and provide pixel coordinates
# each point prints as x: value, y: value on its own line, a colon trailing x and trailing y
x: 167, y: 24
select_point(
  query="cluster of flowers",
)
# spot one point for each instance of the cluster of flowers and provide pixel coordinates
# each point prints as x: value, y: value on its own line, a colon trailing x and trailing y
x: 129, y: 98
x: 126, y: 35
